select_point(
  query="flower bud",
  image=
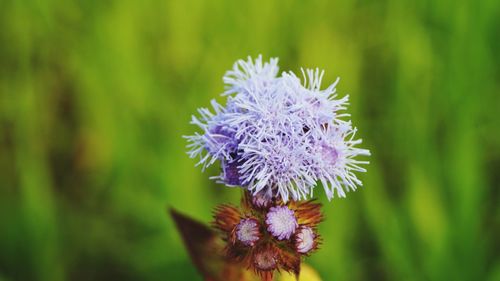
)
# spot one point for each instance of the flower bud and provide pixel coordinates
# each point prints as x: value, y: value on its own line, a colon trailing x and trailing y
x: 247, y: 231
x: 265, y: 259
x: 305, y: 240
x: 281, y: 222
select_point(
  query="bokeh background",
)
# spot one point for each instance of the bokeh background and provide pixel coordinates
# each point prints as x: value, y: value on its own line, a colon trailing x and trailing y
x: 96, y: 95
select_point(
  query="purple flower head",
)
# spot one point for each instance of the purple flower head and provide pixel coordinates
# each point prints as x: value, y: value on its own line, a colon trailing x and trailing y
x: 335, y: 162
x: 247, y: 231
x: 279, y: 135
x: 281, y: 222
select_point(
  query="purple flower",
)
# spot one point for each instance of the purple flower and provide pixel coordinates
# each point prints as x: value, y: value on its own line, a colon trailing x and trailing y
x: 281, y: 222
x: 279, y: 135
x: 335, y: 162
x: 247, y: 231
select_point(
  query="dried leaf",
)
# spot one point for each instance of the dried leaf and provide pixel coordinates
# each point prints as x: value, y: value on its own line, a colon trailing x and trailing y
x: 206, y: 251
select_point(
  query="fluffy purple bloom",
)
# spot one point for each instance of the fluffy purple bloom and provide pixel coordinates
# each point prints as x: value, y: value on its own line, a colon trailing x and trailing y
x: 279, y: 135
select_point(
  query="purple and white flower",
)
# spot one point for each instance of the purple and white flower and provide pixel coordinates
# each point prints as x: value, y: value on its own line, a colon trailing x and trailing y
x: 281, y: 222
x: 279, y: 135
x: 247, y: 231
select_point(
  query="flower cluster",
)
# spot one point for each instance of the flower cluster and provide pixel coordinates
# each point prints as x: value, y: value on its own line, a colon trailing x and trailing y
x: 270, y: 236
x: 279, y: 136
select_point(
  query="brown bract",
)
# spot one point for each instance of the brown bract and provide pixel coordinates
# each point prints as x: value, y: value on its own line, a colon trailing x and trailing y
x: 267, y: 254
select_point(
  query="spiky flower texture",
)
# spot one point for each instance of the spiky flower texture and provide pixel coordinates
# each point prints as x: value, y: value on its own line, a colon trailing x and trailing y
x: 277, y: 137
x: 269, y: 238
x: 281, y: 222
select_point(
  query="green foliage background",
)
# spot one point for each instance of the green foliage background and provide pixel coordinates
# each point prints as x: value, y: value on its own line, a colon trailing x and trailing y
x: 95, y: 96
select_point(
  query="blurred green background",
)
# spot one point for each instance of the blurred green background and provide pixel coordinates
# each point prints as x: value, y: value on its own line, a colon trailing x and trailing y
x: 95, y: 96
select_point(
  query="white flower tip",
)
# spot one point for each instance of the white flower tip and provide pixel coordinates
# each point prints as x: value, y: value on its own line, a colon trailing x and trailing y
x: 305, y: 240
x: 281, y: 222
x: 247, y: 231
